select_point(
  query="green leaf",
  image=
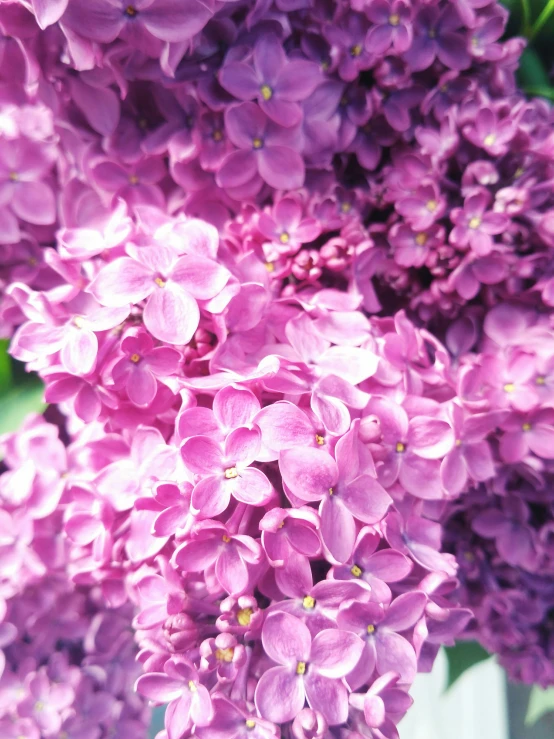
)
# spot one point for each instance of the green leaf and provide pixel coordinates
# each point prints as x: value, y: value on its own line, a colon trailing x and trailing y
x: 543, y: 18
x: 531, y: 72
x: 18, y: 402
x: 540, y: 91
x: 5, y: 367
x: 461, y: 657
x: 540, y: 702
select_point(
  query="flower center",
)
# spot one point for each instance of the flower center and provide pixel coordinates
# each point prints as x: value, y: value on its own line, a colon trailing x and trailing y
x: 266, y: 91
x: 394, y: 19
x: 400, y: 447
x: 225, y: 539
x: 270, y: 266
x: 331, y: 491
x: 250, y: 723
x: 432, y: 33
x: 284, y: 238
x: 131, y: 11
x: 13, y: 176
x: 356, y: 50
x: 159, y: 282
x: 78, y: 321
x: 244, y: 616
x: 458, y: 442
x: 474, y: 222
x: 300, y: 668
x: 526, y: 427
x: 431, y: 205
x: 231, y: 473
x: 319, y: 440
x: 135, y: 358
x: 39, y: 706
x: 345, y: 207
x: 308, y: 602
x: 257, y: 143
x: 133, y: 179
x: 370, y: 628
x: 224, y: 655
x: 356, y: 570
x: 540, y: 380
x: 421, y: 239
x: 192, y: 686
x: 217, y: 135
x: 509, y: 387
x: 489, y: 139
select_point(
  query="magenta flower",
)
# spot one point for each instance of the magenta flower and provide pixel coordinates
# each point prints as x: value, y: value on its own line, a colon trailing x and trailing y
x: 179, y: 685
x: 225, y: 472
x: 167, y: 20
x: 489, y: 133
x: 263, y: 148
x: 275, y: 81
x: 474, y: 224
x: 423, y: 208
x: 378, y: 625
x: 213, y: 545
x: 45, y: 702
x: 287, y: 228
x: 375, y: 568
x: 383, y: 705
x: 232, y: 722
x: 288, y: 529
x: 411, y: 449
x: 524, y: 433
x: 171, y: 285
x: 143, y: 363
x: 392, y: 19
x: 438, y: 34
x: 508, y: 526
x: 471, y: 457
x: 136, y: 183
x: 306, y: 669
x: 23, y: 166
x: 346, y: 493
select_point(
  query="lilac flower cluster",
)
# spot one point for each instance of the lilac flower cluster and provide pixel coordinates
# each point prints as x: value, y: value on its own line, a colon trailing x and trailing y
x: 501, y: 533
x: 201, y: 205
x: 67, y: 659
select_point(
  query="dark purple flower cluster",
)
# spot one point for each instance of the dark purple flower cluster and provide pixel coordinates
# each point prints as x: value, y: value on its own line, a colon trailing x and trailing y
x: 502, y: 532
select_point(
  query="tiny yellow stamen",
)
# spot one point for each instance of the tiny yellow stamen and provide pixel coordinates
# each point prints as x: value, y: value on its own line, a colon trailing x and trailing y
x: 331, y: 491
x: 135, y: 358
x: 226, y: 539
x: 540, y: 380
x: 192, y: 686
x: 458, y: 442
x: 217, y: 135
x: 509, y: 387
x: 370, y: 628
x: 433, y: 34
x: 346, y: 207
x: 13, y: 176
x: 244, y: 616
x: 421, y: 239
x: 231, y: 473
x: 400, y: 447
x: 300, y: 668
x: 270, y: 266
x: 431, y: 205
x: 469, y: 556
x: 356, y: 50
x: 320, y: 441
x: 250, y: 723
x: 356, y: 571
x: 394, y: 19
x: 519, y: 171
x: 39, y: 706
x: 308, y: 602
x: 281, y: 525
x: 526, y: 427
x: 266, y: 91
x: 224, y: 655
x: 284, y: 238
x: 78, y: 321
x: 32, y: 262
x: 257, y: 143
x: 475, y: 222
x: 130, y: 11
x: 133, y: 179
x: 490, y: 139
x: 159, y: 282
